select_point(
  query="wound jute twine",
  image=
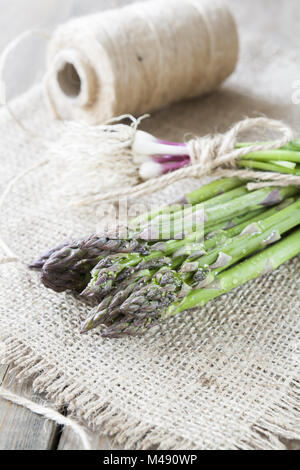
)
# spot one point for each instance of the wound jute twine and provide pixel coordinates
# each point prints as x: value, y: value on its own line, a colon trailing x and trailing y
x: 205, y: 356
x: 140, y: 58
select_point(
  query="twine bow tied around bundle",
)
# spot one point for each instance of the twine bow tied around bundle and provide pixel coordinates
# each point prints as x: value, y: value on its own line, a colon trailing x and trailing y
x: 209, y: 152
x: 215, y: 155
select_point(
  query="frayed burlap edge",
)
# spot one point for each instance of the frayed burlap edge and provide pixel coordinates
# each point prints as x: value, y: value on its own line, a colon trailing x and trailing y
x: 281, y: 421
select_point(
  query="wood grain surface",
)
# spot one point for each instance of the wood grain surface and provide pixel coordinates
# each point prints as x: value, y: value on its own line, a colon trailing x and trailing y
x: 19, y: 427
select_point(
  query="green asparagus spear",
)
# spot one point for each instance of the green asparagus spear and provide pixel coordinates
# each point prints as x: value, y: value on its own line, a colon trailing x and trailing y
x: 274, y: 155
x: 106, y: 310
x: 263, y: 262
x: 39, y: 263
x: 106, y: 273
x: 69, y: 267
x: 204, y: 193
x: 259, y: 264
x: 219, y: 235
x: 71, y: 262
x: 255, y: 237
x: 166, y: 226
x: 213, y: 214
x: 203, y: 270
x: 258, y: 165
x: 211, y: 190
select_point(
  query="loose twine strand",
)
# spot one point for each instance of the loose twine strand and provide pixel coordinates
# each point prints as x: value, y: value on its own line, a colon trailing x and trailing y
x: 48, y: 413
x: 7, y: 51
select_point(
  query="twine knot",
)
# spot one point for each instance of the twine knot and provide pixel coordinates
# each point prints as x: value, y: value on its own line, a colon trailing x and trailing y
x: 204, y: 151
x: 209, y: 152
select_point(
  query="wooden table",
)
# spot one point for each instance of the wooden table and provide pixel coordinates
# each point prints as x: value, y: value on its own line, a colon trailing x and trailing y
x: 20, y: 429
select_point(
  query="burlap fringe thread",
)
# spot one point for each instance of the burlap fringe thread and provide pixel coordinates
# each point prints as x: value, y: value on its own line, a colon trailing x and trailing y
x: 282, y: 419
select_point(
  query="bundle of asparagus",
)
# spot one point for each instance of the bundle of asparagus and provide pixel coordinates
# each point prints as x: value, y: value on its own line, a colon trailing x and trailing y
x: 177, y: 257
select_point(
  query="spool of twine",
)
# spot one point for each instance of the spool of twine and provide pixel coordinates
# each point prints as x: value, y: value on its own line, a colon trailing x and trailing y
x: 139, y: 58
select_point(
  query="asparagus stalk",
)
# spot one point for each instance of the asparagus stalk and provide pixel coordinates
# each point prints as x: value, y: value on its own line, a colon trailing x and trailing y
x: 106, y: 273
x: 212, y: 214
x: 259, y: 264
x: 294, y: 144
x: 253, y: 201
x: 69, y: 265
x: 258, y: 165
x: 64, y: 256
x: 240, y: 223
x: 89, y: 246
x: 203, y: 270
x: 257, y: 235
x: 211, y: 190
x: 202, y: 194
x: 177, y: 218
x: 69, y: 256
x: 160, y: 293
x: 39, y: 263
x: 274, y: 155
x: 69, y: 268
x: 108, y: 309
x: 72, y: 261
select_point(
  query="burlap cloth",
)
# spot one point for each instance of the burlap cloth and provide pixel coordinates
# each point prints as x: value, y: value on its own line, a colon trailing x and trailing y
x: 221, y: 377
